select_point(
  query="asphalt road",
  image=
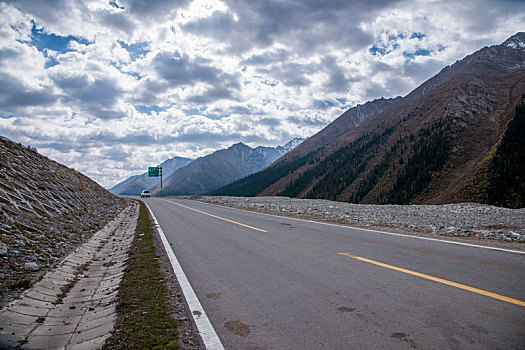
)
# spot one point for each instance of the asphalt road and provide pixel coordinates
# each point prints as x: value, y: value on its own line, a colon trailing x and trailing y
x: 269, y: 282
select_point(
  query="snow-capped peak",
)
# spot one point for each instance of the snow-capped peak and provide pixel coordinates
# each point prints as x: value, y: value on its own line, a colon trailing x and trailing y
x: 293, y: 143
x: 517, y: 41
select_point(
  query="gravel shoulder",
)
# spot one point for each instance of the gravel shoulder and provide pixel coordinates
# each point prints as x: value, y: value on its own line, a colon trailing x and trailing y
x: 189, y: 337
x: 466, y: 222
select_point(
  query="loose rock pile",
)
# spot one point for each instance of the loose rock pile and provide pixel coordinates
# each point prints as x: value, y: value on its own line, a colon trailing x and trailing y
x: 46, y: 210
x: 466, y: 219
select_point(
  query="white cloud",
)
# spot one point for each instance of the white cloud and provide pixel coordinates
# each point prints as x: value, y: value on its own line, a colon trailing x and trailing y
x: 114, y: 87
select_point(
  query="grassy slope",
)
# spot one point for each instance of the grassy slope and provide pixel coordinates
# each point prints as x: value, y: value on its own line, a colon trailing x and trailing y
x: 143, y: 308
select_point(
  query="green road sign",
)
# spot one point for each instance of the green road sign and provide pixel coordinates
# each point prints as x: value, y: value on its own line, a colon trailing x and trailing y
x: 153, y: 171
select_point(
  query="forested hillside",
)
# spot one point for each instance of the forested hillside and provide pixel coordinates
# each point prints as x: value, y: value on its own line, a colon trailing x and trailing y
x: 453, y: 139
x: 500, y: 180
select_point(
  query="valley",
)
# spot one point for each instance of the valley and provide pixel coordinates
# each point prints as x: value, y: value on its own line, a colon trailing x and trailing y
x: 401, y: 223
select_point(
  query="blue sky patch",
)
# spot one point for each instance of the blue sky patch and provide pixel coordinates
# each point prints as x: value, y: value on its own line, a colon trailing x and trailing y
x: 148, y: 109
x: 130, y: 73
x: 50, y: 62
x: 418, y: 52
x: 136, y: 50
x: 116, y: 5
x: 396, y: 37
x: 133, y: 74
x: 374, y: 50
x: 6, y: 116
x: 341, y: 100
x: 43, y: 41
x: 382, y: 49
x: 417, y: 35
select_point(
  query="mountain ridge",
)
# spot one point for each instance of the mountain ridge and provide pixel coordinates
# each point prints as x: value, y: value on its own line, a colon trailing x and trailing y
x: 135, y: 184
x: 215, y: 170
x: 349, y: 120
x: 419, y: 150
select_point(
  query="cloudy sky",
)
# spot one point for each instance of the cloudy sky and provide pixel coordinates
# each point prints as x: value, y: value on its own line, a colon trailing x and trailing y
x: 112, y: 87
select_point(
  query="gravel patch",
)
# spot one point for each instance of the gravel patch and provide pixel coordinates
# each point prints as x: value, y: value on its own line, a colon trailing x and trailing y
x: 466, y: 221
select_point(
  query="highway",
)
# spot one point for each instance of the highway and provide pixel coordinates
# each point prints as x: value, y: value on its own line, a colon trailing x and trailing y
x: 270, y: 282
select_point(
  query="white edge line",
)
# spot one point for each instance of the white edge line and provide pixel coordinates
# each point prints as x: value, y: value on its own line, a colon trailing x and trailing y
x: 207, y: 332
x: 370, y: 230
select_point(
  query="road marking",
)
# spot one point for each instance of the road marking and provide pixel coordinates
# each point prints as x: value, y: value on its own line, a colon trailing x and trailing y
x: 207, y: 332
x: 217, y: 217
x: 439, y: 280
x: 375, y: 231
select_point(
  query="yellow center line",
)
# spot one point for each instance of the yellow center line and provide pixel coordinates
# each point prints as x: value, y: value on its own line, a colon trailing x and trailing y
x: 439, y: 280
x: 218, y: 217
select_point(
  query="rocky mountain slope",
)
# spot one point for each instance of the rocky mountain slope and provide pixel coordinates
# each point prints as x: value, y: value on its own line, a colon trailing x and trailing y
x: 347, y: 121
x: 134, y: 185
x: 46, y: 210
x: 426, y: 148
x: 220, y: 168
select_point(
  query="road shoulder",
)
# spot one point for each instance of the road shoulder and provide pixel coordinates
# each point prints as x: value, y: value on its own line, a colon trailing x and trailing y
x: 422, y: 222
x: 73, y: 305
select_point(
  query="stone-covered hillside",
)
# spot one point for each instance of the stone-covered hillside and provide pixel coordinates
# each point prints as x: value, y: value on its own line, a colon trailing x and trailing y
x: 46, y: 210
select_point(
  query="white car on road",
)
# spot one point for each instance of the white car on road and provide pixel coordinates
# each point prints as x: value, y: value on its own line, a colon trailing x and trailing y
x: 145, y: 193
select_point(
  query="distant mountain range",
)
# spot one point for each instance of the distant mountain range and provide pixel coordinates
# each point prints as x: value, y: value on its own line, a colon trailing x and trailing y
x: 452, y: 139
x: 183, y: 176
x: 134, y: 185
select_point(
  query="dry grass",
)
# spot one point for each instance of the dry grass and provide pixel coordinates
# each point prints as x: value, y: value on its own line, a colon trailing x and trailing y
x: 143, y: 307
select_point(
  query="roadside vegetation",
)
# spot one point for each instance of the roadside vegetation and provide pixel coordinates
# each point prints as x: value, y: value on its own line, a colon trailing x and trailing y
x: 144, y: 321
